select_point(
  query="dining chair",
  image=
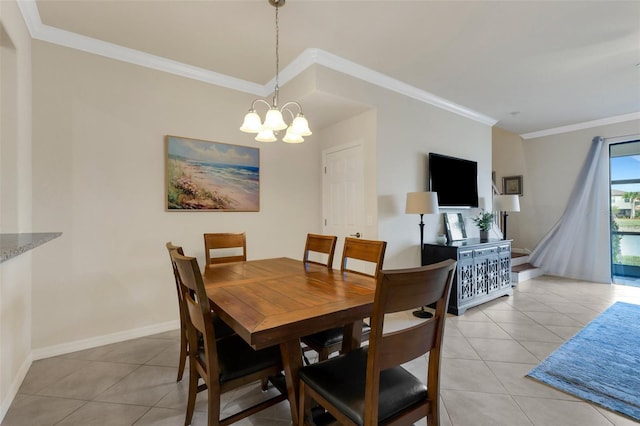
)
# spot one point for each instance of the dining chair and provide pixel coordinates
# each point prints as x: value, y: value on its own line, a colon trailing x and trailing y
x: 184, y: 345
x: 222, y: 364
x: 371, y: 251
x: 227, y: 247
x: 325, y: 245
x: 369, y: 386
x: 222, y: 329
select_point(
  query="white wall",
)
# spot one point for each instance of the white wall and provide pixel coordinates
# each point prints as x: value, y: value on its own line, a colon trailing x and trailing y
x: 550, y: 166
x: 507, y: 156
x: 405, y: 132
x: 15, y: 199
x: 99, y: 176
x: 553, y: 164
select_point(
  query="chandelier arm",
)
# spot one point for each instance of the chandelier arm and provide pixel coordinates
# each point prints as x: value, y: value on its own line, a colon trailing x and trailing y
x: 289, y: 111
x: 291, y: 103
x: 253, y: 104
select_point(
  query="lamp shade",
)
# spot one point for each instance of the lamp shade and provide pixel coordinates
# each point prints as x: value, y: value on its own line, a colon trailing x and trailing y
x: 507, y: 203
x: 266, y: 135
x: 251, y: 123
x: 273, y: 120
x: 300, y: 126
x: 292, y: 136
x: 422, y: 203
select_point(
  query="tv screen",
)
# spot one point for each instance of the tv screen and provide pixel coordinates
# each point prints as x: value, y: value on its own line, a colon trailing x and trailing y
x: 454, y: 179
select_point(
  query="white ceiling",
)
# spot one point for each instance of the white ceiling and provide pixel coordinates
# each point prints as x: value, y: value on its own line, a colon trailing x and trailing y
x: 529, y: 66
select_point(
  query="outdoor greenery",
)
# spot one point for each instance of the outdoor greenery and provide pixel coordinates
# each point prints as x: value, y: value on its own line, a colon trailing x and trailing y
x: 615, y: 241
x: 623, y: 225
x: 628, y: 225
x: 632, y: 197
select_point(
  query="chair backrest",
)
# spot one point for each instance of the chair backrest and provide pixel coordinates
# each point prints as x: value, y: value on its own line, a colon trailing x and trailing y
x: 371, y: 251
x: 324, y: 244
x: 198, y: 309
x: 402, y: 290
x: 170, y: 248
x: 229, y: 247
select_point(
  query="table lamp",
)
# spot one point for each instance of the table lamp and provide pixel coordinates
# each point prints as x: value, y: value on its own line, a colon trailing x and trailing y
x: 504, y: 204
x: 422, y: 203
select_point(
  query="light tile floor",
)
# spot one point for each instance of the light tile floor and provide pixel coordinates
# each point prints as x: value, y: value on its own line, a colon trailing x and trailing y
x: 487, y: 353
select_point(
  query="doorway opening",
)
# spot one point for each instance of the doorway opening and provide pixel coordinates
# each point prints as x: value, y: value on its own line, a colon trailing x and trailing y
x: 624, y: 175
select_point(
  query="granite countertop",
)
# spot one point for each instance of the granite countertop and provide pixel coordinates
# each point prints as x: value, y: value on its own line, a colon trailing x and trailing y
x: 12, y: 245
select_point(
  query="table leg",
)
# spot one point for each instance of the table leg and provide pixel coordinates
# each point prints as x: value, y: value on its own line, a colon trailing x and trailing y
x: 351, y: 336
x: 292, y: 361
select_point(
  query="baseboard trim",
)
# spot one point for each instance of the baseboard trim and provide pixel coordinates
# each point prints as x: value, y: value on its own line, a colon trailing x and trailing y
x: 520, y: 250
x: 15, y: 386
x: 92, y: 342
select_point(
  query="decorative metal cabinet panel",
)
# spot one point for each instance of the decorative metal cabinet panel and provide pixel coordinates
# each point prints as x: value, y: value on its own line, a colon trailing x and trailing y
x: 483, y: 272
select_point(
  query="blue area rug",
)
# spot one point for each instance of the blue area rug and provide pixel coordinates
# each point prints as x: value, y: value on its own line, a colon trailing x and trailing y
x: 601, y: 363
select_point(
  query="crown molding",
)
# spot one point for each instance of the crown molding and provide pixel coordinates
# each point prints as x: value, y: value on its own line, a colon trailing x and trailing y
x: 358, y: 71
x: 582, y: 126
x: 306, y: 59
x: 42, y: 32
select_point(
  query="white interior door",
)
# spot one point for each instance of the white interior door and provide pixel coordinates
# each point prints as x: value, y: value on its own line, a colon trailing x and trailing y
x: 342, y: 189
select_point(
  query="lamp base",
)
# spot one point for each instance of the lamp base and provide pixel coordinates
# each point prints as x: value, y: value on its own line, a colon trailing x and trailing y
x: 421, y: 313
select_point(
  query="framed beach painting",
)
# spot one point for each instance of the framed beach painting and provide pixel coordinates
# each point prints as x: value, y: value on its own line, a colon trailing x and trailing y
x: 211, y: 176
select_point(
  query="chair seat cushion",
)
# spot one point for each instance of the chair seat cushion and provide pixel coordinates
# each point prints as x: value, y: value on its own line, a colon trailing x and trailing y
x: 331, y: 337
x: 237, y: 359
x: 341, y: 381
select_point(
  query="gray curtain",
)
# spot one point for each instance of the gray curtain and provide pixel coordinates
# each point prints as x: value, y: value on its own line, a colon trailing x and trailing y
x: 579, y: 246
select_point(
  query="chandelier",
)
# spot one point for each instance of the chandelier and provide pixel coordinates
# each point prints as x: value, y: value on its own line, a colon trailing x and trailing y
x: 274, y: 120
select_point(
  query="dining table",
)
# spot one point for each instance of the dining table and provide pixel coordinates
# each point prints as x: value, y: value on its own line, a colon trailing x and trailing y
x: 277, y: 301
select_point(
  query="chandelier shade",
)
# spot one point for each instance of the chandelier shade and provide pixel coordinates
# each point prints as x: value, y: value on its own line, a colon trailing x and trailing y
x: 252, y: 122
x: 274, y: 122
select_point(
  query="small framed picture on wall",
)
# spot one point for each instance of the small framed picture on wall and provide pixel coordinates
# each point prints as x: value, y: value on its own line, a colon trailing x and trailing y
x: 512, y: 185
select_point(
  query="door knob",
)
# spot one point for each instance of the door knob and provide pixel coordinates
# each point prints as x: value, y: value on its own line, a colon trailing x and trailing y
x: 357, y: 235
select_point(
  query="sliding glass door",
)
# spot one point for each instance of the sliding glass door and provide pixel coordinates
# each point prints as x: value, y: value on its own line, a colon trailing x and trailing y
x: 625, y: 210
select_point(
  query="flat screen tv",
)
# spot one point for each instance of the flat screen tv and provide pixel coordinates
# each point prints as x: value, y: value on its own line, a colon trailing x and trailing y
x: 454, y: 179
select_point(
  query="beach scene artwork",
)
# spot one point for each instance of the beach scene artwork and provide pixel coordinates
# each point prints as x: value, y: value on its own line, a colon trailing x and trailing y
x: 204, y: 175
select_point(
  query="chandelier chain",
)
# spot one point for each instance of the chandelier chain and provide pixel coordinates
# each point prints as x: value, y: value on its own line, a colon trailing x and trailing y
x: 277, y: 88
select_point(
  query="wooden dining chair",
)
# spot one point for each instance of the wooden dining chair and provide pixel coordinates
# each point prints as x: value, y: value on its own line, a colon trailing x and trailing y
x: 222, y: 329
x: 369, y: 386
x: 372, y: 251
x: 226, y: 247
x: 222, y: 364
x: 184, y: 345
x: 325, y: 245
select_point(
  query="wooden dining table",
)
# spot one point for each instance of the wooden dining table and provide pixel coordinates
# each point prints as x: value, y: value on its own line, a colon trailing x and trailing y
x: 277, y: 301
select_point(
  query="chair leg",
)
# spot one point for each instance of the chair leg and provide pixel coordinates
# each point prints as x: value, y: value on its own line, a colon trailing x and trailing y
x: 265, y: 383
x: 183, y: 352
x: 433, y: 418
x: 303, y: 406
x: 213, y: 409
x: 193, y: 390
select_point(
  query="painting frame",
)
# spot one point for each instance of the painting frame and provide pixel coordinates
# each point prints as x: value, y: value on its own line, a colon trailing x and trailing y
x: 512, y: 185
x: 454, y: 226
x: 202, y: 175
